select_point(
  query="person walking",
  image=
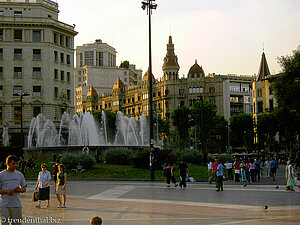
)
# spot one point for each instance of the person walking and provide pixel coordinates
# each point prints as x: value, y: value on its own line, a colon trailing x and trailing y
x: 22, y: 165
x: 243, y: 171
x: 236, y: 167
x: 252, y: 170
x: 220, y: 176
x: 170, y: 175
x: 55, y: 171
x: 43, y: 183
x: 273, y: 167
x: 182, y: 172
x: 215, y: 166
x: 267, y: 167
x: 228, y: 166
x: 257, y: 169
x: 209, y: 171
x: 291, y: 175
x: 61, y: 186
x: 12, y: 183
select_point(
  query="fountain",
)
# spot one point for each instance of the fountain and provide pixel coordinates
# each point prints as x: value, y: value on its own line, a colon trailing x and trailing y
x: 83, y: 130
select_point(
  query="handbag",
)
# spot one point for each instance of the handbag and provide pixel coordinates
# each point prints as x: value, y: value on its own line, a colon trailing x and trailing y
x: 35, y: 197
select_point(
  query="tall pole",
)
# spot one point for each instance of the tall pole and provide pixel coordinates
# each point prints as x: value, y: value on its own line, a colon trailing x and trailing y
x: 22, y: 134
x: 150, y: 5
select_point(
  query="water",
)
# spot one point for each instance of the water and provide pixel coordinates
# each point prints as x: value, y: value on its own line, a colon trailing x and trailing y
x: 83, y: 130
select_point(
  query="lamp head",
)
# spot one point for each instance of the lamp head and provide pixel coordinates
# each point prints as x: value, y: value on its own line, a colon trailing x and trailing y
x: 16, y: 94
x: 26, y: 94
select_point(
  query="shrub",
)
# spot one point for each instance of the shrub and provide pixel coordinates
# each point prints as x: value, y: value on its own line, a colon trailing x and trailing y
x: 119, y: 156
x: 141, y: 159
x: 223, y: 157
x: 71, y: 160
x: 189, y: 155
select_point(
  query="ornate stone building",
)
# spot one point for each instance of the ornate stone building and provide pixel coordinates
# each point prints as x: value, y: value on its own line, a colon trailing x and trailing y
x: 36, y: 57
x: 171, y: 91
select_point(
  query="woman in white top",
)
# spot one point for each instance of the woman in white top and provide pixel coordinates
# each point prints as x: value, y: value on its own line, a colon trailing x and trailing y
x: 42, y: 183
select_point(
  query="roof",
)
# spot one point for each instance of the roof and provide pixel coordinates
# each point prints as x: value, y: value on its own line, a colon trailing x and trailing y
x: 92, y: 92
x: 119, y: 84
x: 171, y: 58
x: 195, y: 70
x: 146, y: 77
x: 263, y: 68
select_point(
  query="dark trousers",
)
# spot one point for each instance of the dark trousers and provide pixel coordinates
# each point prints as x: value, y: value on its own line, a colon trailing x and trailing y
x: 257, y: 174
x: 183, y: 181
x: 229, y: 173
x: 237, y: 177
x: 220, y: 183
x: 169, y: 178
x: 252, y: 174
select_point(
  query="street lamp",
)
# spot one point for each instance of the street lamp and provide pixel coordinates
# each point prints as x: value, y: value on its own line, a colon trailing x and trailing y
x: 21, y: 99
x: 150, y: 5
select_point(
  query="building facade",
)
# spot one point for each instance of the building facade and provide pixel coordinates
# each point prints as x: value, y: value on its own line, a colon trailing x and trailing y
x: 96, y: 66
x: 230, y: 94
x: 36, y: 57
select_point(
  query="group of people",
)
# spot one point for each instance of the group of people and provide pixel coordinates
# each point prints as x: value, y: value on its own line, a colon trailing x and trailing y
x: 169, y: 173
x: 43, y: 185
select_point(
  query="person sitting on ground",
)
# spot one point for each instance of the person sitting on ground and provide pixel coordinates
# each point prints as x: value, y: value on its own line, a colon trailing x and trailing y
x: 96, y: 221
x: 79, y: 168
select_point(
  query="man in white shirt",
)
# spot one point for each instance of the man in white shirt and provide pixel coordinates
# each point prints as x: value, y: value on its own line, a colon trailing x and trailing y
x: 12, y: 183
x: 209, y: 171
x: 229, y: 170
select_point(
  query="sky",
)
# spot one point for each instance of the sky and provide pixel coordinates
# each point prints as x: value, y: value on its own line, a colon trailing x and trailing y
x: 224, y: 36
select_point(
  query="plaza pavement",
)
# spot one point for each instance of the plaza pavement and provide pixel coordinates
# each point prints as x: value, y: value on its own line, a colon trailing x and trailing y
x: 143, y: 203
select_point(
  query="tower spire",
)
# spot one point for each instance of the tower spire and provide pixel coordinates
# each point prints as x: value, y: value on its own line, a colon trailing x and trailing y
x: 170, y: 66
x: 263, y: 71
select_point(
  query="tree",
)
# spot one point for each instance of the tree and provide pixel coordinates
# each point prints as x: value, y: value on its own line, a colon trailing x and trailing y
x: 241, y: 130
x: 124, y: 64
x: 286, y: 87
x: 182, y: 124
x: 267, y: 127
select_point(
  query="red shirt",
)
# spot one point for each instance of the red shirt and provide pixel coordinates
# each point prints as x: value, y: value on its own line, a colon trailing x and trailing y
x: 236, y: 166
x: 215, y: 167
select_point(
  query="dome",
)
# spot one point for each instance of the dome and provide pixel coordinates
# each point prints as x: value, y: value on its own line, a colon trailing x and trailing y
x: 196, y: 71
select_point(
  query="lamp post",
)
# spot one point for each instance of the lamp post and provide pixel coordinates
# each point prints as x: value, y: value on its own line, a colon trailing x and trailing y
x: 21, y: 99
x: 149, y: 4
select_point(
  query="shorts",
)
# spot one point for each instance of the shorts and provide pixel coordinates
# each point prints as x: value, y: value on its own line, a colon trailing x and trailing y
x: 12, y: 213
x: 60, y: 190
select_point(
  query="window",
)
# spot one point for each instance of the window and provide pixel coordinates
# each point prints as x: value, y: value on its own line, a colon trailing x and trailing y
x: 1, y: 53
x: 1, y: 14
x: 181, y: 103
x: 55, y: 74
x: 17, y: 113
x: 1, y: 72
x: 55, y: 92
x: 69, y: 95
x: 61, y: 39
x: 271, y: 104
x: 1, y: 34
x: 62, y: 57
x: 1, y: 90
x: 68, y: 59
x: 36, y: 91
x: 81, y: 59
x: 36, y: 36
x: 100, y: 58
x: 36, y: 54
x: 36, y: 111
x: 211, y: 90
x: 212, y: 101
x: 67, y: 42
x: 181, y: 91
x: 17, y: 90
x: 37, y: 72
x: 18, y: 53
x: 18, y: 15
x: 68, y: 77
x: 55, y: 56
x: 17, y: 72
x: 89, y: 58
x: 18, y: 35
x: 259, y: 107
x: 55, y: 38
x: 62, y: 75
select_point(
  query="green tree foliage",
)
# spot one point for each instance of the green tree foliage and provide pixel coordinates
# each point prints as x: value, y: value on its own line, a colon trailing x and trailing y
x: 241, y: 130
x: 286, y: 87
x: 267, y: 127
x: 124, y: 64
x: 181, y: 122
x: 110, y: 122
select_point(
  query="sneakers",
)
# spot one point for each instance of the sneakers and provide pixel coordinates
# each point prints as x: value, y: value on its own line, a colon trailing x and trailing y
x: 58, y: 206
x: 64, y: 207
x: 38, y: 206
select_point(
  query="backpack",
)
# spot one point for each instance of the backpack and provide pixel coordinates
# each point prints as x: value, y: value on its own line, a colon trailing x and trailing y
x: 55, y: 170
